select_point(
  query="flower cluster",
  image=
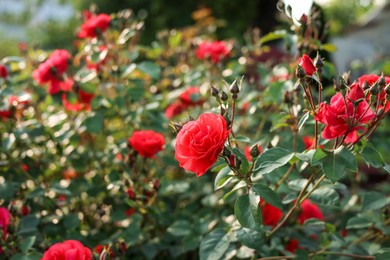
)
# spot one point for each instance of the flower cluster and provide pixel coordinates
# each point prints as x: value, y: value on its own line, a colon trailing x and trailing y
x: 215, y: 51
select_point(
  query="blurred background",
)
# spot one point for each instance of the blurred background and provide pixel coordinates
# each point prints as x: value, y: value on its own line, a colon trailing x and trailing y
x: 358, y: 28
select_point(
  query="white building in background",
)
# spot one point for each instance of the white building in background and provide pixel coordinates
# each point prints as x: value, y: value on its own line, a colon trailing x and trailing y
x: 48, y: 10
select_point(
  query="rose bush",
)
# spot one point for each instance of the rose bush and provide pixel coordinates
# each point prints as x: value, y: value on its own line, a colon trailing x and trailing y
x: 289, y: 152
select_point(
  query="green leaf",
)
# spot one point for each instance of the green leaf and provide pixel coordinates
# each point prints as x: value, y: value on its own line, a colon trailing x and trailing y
x: 348, y: 157
x: 372, y: 157
x: 272, y: 159
x: 88, y: 87
x: 333, y: 166
x: 27, y: 243
x: 71, y: 221
x: 268, y: 195
x: 278, y: 34
x: 8, y: 142
x: 175, y: 39
x: 246, y: 213
x: 8, y: 189
x: 244, y: 161
x: 387, y: 168
x: 214, y: 245
x: 298, y: 184
x: 180, y: 228
x: 31, y: 256
x: 28, y: 225
x: 325, y: 196
x: 329, y: 47
x: 150, y: 68
x: 317, y: 156
x: 358, y: 222
x: 383, y: 254
x: 94, y: 123
x: 243, y: 139
x: 250, y: 238
x: 303, y: 120
x: 222, y: 177
x: 373, y: 200
x: 238, y: 186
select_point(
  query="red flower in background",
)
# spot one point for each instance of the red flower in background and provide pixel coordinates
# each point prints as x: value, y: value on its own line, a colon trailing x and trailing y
x: 309, y: 142
x: 307, y: 64
x: 130, y: 212
x: 69, y: 249
x: 271, y: 214
x: 3, y: 71
x: 309, y: 210
x: 292, y: 245
x: 247, y: 152
x: 147, y: 142
x: 174, y: 109
x: 341, y: 118
x: 216, y: 51
x: 99, y: 249
x: 199, y: 143
x: 5, y: 217
x: 191, y: 96
x: 94, y: 25
x: 51, y: 71
x: 371, y: 79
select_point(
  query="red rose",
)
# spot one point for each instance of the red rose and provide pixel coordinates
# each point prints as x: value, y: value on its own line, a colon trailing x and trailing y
x: 292, y: 245
x: 191, y: 96
x: 371, y: 79
x: 308, y: 141
x: 216, y: 51
x: 199, y: 142
x: 341, y: 118
x: 94, y: 26
x: 307, y: 64
x: 69, y: 249
x: 147, y: 142
x: 271, y: 214
x: 131, y: 193
x: 130, y: 212
x: 5, y: 217
x: 309, y: 210
x: 3, y: 71
x: 174, y: 109
x: 100, y: 248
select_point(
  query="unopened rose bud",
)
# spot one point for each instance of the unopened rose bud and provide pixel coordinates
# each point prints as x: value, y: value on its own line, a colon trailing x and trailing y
x: 255, y: 151
x: 374, y: 90
x: 214, y: 92
x: 300, y: 72
x: 381, y: 83
x: 342, y: 83
x: 347, y: 78
x: 318, y: 63
x: 303, y: 19
x: 234, y: 89
x: 224, y: 96
x: 365, y: 85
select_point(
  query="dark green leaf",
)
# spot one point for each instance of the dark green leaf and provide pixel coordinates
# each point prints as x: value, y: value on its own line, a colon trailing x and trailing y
x: 180, y: 228
x: 268, y: 195
x: 334, y: 166
x: 303, y: 120
x: 243, y: 139
x: 250, y: 238
x: 28, y: 225
x: 358, y: 222
x: 94, y: 123
x: 372, y: 157
x: 27, y: 243
x: 383, y: 254
x: 214, y: 245
x: 150, y: 68
x: 348, y: 158
x: 71, y: 221
x: 373, y: 200
x: 317, y: 156
x: 244, y: 161
x: 222, y: 177
x: 325, y: 196
x: 245, y: 213
x: 272, y: 159
x: 8, y: 189
x: 8, y: 142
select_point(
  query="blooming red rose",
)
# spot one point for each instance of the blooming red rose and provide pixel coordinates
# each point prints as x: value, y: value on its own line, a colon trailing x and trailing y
x: 216, y: 51
x: 94, y: 26
x: 147, y: 142
x: 341, y: 118
x: 307, y: 64
x: 5, y: 217
x: 52, y: 71
x: 309, y: 210
x: 247, y: 152
x: 199, y: 142
x: 292, y: 245
x: 271, y: 214
x: 69, y: 249
x: 3, y: 71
